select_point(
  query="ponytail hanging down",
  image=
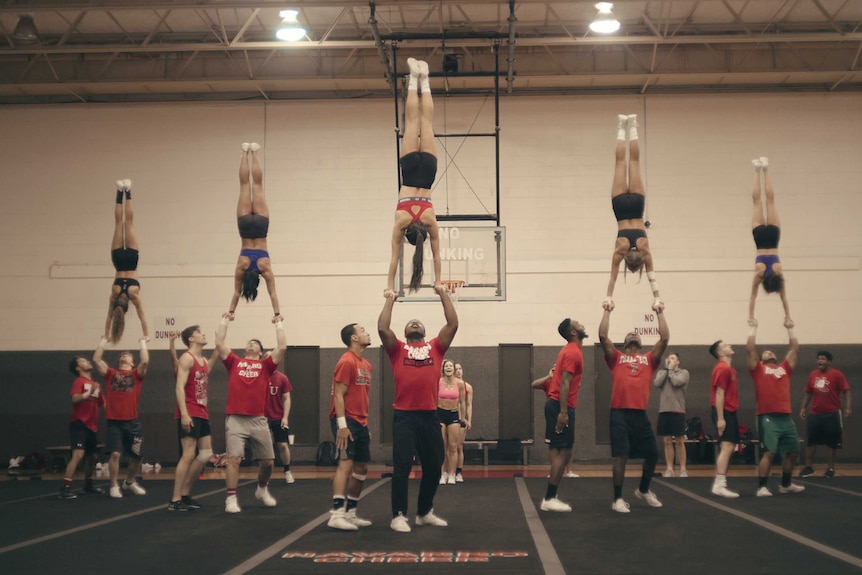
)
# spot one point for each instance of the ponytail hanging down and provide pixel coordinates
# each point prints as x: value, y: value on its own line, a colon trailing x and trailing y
x: 118, y: 318
x: 416, y: 234
x: 250, y: 281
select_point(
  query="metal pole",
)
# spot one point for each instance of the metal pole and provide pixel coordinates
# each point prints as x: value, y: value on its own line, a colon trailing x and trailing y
x: 513, y: 23
x: 497, y: 123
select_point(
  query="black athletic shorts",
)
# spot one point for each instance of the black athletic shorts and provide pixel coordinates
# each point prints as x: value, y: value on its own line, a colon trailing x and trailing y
x: 125, y: 437
x: 628, y: 206
x: 279, y: 435
x: 447, y: 416
x: 200, y: 428
x: 554, y: 440
x: 358, y: 448
x: 418, y: 170
x: 125, y: 259
x: 670, y: 424
x: 766, y: 237
x: 252, y: 226
x: 631, y: 434
x: 825, y: 429
x: 731, y: 430
x: 82, y: 437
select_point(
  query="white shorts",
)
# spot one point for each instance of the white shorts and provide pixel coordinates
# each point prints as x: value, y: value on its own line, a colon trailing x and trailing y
x: 241, y: 428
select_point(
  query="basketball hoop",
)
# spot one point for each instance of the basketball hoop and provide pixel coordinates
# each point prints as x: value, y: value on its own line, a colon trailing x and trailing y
x: 452, y: 287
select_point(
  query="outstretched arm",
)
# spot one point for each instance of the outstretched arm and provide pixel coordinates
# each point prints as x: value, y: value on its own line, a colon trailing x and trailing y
x: 221, y: 334
x: 237, y: 290
x: 173, y: 347
x: 144, y: 364
x: 650, y: 274
x: 434, y: 237
x: 280, y: 340
x: 397, y: 240
x: 663, y: 332
x: 387, y: 336
x: 751, y: 345
x: 139, y: 307
x: 615, y: 272
x: 754, y: 285
x: 269, y: 278
x: 447, y: 332
x: 793, y: 352
x: 98, y: 362
x: 783, y: 294
x: 604, y: 327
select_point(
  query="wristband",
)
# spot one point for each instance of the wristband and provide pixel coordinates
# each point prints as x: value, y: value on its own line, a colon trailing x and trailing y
x: 753, y: 331
x: 278, y: 313
x: 342, y: 422
x: 652, y: 283
x: 790, y: 333
x: 103, y: 341
x: 279, y: 325
x: 224, y: 321
x: 143, y: 343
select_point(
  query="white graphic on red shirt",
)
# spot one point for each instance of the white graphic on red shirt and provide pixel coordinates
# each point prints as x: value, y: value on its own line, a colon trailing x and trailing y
x: 201, y: 386
x: 821, y: 384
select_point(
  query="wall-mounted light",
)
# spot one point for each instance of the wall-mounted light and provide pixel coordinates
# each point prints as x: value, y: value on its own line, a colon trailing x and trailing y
x: 605, y: 22
x: 290, y: 30
x: 25, y: 30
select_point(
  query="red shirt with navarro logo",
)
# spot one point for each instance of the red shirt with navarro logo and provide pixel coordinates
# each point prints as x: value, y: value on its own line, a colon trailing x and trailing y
x: 278, y: 386
x: 196, y: 389
x: 122, y: 390
x: 772, y: 387
x: 825, y: 389
x: 724, y: 376
x: 87, y: 411
x: 571, y: 359
x: 354, y: 372
x: 631, y: 375
x: 416, y: 368
x: 247, y: 383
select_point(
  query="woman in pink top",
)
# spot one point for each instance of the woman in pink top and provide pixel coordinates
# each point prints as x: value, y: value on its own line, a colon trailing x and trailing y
x: 451, y: 405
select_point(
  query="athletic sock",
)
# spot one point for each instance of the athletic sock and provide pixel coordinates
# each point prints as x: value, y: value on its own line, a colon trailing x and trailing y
x: 337, y: 502
x: 413, y: 82
x: 458, y: 471
x: 287, y: 467
x: 644, y: 484
x: 129, y: 194
x: 262, y: 485
x: 633, y: 133
x: 761, y: 481
x: 352, y: 502
x: 721, y: 479
x: 67, y: 482
x: 785, y: 479
x: 424, y: 84
x: 119, y: 196
x: 618, y: 492
x: 231, y: 491
x: 621, y: 127
x: 551, y: 492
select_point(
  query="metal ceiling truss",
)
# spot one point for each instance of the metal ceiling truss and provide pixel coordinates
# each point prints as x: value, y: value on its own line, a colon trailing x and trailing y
x: 128, y: 50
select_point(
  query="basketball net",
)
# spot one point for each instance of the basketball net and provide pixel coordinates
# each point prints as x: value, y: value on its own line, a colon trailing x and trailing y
x: 452, y: 287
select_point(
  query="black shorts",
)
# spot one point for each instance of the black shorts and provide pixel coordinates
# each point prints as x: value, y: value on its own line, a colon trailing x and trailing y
x: 731, y: 430
x: 124, y: 259
x: 82, y: 437
x: 670, y: 424
x: 358, y: 448
x: 200, y: 428
x: 279, y: 435
x: 125, y: 437
x: 554, y: 440
x: 825, y: 429
x: 447, y: 417
x: 628, y: 206
x: 631, y: 434
x: 766, y: 237
x: 252, y: 226
x: 418, y: 170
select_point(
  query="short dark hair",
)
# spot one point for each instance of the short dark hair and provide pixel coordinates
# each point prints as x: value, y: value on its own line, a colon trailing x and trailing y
x: 713, y: 349
x: 259, y: 344
x: 674, y: 353
x: 773, y: 283
x: 825, y: 354
x: 73, y: 365
x: 563, y: 328
x: 348, y: 332
x: 187, y: 333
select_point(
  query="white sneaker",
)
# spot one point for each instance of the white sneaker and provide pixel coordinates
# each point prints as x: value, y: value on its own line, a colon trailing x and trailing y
x: 450, y: 480
x: 649, y: 497
x: 399, y: 523
x: 231, y: 505
x: 792, y: 488
x: 723, y: 491
x: 262, y: 495
x: 764, y: 162
x: 423, y: 68
x: 355, y: 520
x: 667, y: 473
x: 764, y: 492
x: 119, y: 189
x: 555, y: 504
x: 127, y: 185
x: 413, y: 65
x: 683, y: 472
x: 134, y: 488
x: 431, y: 519
x: 444, y: 478
x: 632, y: 121
x: 288, y: 477
x: 245, y: 146
x: 459, y: 478
x: 622, y: 119
x: 756, y: 163
x: 620, y: 506
x: 254, y: 146
x: 115, y: 492
x: 338, y: 520
x: 571, y: 474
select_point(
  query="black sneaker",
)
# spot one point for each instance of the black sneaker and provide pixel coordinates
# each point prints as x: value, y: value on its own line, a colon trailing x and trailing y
x: 829, y: 473
x: 177, y: 506
x: 66, y: 493
x: 92, y: 490
x: 808, y: 470
x: 190, y: 503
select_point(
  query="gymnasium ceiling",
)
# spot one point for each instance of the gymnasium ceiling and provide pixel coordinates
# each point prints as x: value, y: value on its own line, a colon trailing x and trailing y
x: 200, y: 50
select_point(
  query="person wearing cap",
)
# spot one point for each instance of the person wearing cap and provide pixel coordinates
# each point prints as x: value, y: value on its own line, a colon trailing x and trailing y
x: 631, y: 431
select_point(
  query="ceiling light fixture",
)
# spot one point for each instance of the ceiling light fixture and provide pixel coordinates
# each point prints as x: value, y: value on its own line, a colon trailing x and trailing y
x: 605, y: 21
x: 291, y: 30
x: 25, y: 30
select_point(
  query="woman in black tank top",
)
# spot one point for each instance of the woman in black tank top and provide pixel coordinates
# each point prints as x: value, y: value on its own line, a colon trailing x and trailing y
x: 124, y: 255
x: 628, y: 198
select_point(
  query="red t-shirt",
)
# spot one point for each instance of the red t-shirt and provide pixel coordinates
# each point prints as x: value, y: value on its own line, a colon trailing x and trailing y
x: 416, y: 368
x: 571, y: 359
x: 197, y: 389
x: 278, y: 386
x: 87, y: 411
x: 825, y: 389
x: 122, y: 390
x: 772, y: 387
x: 631, y: 375
x: 247, y: 383
x: 724, y: 376
x: 354, y: 372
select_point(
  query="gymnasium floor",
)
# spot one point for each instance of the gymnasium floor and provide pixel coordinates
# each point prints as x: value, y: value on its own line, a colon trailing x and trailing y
x: 494, y: 527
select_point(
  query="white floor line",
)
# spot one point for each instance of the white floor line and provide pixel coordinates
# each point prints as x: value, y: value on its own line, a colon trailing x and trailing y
x: 792, y: 535
x: 290, y: 539
x: 57, y: 535
x: 829, y: 487
x: 547, y: 554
